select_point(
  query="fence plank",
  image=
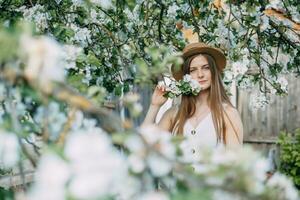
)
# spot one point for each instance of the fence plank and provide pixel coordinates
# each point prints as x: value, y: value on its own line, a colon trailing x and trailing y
x: 281, y: 114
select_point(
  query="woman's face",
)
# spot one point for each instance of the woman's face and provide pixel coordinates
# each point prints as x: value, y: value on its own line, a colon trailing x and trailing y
x: 200, y: 71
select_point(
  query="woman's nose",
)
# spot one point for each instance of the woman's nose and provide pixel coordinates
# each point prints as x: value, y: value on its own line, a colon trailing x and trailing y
x: 200, y: 73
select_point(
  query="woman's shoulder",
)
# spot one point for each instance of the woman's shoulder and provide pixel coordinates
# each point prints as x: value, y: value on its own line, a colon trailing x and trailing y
x: 234, y: 123
x: 231, y: 112
x: 232, y: 115
x: 229, y: 108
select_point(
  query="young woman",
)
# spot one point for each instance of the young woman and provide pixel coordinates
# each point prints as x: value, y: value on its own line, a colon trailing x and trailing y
x: 208, y: 118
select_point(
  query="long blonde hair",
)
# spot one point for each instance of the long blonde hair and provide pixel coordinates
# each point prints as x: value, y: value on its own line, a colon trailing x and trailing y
x: 217, y: 96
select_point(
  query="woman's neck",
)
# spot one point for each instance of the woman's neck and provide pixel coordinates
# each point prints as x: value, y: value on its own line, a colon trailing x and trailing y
x: 202, y: 99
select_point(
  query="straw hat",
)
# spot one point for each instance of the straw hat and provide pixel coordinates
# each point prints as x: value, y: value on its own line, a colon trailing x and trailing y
x: 196, y: 48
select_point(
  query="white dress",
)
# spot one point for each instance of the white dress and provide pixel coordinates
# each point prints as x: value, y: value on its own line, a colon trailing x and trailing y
x: 203, y: 134
x: 197, y: 138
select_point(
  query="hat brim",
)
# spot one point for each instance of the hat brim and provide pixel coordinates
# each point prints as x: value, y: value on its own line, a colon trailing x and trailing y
x: 218, y: 56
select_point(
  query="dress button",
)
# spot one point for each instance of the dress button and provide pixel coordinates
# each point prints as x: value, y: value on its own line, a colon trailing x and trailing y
x: 193, y: 132
x: 193, y: 151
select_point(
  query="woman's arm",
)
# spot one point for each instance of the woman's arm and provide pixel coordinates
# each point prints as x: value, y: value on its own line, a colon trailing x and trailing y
x: 157, y: 101
x: 151, y: 114
x: 234, y: 127
x: 166, y: 121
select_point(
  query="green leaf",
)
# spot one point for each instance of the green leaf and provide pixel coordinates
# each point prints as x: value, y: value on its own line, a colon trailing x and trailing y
x: 118, y: 90
x: 92, y: 59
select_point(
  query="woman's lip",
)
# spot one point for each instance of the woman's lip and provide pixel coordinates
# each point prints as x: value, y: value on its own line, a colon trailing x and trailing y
x: 202, y: 81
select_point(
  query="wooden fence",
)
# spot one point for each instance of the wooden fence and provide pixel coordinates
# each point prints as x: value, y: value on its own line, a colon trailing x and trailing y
x: 262, y: 127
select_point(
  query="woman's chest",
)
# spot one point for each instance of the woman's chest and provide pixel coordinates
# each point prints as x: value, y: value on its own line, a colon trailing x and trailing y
x: 202, y: 134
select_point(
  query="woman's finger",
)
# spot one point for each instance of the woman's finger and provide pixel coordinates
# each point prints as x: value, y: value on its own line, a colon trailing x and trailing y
x: 162, y: 89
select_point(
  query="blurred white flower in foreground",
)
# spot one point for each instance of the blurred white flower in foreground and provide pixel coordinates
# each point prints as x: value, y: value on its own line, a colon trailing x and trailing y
x: 284, y: 184
x: 51, y: 178
x: 155, y: 195
x: 159, y: 160
x: 131, y: 98
x: 96, y: 167
x: 44, y: 60
x: 9, y: 149
x: 92, y: 169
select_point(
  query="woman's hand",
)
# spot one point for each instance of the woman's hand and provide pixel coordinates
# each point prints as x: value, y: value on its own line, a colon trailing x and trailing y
x: 157, y: 97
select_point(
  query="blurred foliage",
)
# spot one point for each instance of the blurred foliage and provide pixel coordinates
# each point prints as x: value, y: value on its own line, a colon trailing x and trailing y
x: 289, y: 144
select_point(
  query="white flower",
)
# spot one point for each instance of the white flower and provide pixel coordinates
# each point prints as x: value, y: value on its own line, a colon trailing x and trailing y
x: 70, y: 53
x: 47, y: 185
x: 295, y: 13
x: 240, y: 67
x: 228, y: 76
x: 92, y: 160
x: 131, y: 98
x: 161, y: 84
x: 82, y: 35
x: 44, y: 60
x: 77, y: 2
x: 173, y: 88
x: 224, y: 195
x: 9, y: 149
x: 94, y: 15
x: 187, y: 78
x: 195, y: 85
x: 264, y: 23
x: 154, y: 196
x: 221, y: 156
x: 276, y: 4
x: 158, y: 165
x: 172, y: 11
x: 56, y: 118
x: 136, y: 163
x: 106, y: 4
x: 137, y: 108
x: 36, y: 14
x: 152, y: 134
x: 135, y: 144
x: 284, y: 184
x: 258, y: 101
x: 283, y: 83
x: 133, y: 187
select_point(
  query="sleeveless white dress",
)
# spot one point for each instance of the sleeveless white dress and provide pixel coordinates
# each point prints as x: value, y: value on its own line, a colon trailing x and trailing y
x: 197, y: 138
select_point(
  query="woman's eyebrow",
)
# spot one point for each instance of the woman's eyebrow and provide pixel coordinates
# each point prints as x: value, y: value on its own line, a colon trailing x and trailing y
x: 204, y: 65
x: 198, y: 66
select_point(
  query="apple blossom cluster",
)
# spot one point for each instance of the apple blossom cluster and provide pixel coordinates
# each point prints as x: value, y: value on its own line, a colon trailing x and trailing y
x: 187, y: 86
x: 9, y: 150
x: 258, y: 101
x: 36, y: 14
x: 90, y: 167
x: 82, y: 35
